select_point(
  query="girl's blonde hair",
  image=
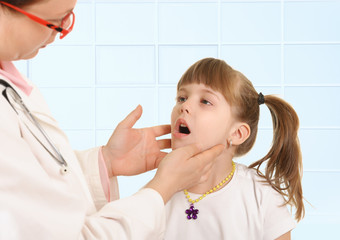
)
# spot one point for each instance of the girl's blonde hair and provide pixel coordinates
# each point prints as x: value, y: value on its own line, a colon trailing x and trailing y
x: 284, y: 159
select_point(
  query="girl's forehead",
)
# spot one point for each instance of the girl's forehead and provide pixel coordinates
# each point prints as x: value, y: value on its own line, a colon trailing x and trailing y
x: 201, y: 89
x: 196, y: 87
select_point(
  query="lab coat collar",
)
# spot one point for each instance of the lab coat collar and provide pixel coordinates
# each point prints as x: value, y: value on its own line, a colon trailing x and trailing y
x: 9, y: 71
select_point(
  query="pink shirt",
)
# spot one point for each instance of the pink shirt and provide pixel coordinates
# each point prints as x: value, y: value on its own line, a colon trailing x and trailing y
x: 8, y: 70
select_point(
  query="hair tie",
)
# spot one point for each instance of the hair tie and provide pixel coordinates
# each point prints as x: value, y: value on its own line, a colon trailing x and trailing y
x: 260, y: 100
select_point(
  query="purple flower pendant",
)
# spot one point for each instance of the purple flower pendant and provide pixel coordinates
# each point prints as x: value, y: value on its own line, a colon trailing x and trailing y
x: 191, y: 212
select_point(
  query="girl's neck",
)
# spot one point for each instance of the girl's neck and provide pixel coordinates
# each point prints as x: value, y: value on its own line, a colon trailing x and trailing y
x: 219, y: 171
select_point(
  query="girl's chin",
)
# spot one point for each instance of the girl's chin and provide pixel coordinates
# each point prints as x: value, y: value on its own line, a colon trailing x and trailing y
x: 175, y: 145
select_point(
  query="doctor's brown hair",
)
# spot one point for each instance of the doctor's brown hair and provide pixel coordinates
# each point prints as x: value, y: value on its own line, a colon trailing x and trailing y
x: 21, y: 3
x: 284, y: 159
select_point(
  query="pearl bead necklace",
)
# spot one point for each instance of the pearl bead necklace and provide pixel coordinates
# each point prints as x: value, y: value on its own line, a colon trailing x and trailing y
x: 192, y: 212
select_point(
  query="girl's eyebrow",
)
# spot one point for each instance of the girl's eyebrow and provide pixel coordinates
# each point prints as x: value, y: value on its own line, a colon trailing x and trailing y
x: 211, y: 92
x: 183, y: 89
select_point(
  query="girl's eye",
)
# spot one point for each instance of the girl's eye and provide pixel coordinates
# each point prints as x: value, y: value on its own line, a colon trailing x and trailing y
x: 181, y: 99
x: 206, y: 102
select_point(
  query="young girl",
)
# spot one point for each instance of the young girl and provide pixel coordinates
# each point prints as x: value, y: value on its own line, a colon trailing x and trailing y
x: 217, y: 104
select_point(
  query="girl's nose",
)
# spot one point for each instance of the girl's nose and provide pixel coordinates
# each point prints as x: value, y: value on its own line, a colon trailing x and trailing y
x: 185, y: 107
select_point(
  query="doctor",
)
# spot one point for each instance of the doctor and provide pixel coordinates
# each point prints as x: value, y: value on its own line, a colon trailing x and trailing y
x: 49, y: 191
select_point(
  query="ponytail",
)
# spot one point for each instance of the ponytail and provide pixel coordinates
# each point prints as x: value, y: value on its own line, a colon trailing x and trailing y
x: 284, y: 159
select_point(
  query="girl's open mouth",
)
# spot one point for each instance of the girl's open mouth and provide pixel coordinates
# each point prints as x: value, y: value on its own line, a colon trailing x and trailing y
x: 181, y: 128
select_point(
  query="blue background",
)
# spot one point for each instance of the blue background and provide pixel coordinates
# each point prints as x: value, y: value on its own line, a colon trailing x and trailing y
x: 125, y: 53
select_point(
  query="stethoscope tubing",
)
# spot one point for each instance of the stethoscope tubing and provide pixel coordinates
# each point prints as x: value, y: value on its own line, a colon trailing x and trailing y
x: 16, y: 97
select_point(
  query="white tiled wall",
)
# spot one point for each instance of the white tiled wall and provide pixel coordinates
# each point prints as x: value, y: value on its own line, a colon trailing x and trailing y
x: 124, y: 53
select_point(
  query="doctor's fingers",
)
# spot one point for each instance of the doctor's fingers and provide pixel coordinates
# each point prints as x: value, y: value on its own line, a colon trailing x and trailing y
x: 208, y: 157
x: 205, y: 160
x: 130, y: 120
x: 199, y: 166
x: 164, y: 143
x: 161, y: 130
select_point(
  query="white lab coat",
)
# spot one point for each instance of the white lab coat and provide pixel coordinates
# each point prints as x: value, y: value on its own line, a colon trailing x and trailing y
x: 37, y: 202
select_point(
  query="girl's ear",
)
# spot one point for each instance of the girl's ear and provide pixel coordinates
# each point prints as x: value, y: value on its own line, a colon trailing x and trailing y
x: 241, y: 133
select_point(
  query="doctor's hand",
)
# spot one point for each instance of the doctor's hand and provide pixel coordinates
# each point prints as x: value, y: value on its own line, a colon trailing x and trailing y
x: 183, y: 168
x: 132, y: 151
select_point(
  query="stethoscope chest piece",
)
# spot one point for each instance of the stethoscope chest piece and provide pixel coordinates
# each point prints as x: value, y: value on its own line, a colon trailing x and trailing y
x: 64, y: 169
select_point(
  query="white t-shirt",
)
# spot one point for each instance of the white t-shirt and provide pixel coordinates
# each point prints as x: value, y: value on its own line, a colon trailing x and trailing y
x: 244, y: 209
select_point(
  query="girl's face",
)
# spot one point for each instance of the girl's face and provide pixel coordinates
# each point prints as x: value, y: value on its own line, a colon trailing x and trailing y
x: 201, y: 115
x: 23, y: 37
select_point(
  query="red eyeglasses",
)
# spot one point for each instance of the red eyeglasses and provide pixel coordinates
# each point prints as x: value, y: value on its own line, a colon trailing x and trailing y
x: 65, y: 27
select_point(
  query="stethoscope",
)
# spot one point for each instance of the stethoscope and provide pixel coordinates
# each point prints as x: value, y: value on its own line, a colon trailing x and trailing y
x: 18, y: 106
